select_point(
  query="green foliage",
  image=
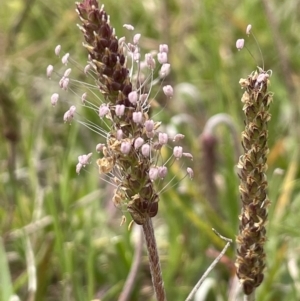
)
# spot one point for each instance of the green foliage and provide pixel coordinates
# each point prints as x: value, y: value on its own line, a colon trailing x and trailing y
x: 80, y: 251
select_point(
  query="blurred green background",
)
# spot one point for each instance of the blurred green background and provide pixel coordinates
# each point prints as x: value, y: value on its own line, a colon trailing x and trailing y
x: 64, y: 229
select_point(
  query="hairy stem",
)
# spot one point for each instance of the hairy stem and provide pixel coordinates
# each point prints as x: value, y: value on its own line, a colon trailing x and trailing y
x: 129, y: 284
x: 154, y: 262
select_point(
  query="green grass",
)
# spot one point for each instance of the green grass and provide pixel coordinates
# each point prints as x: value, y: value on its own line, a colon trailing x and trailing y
x: 69, y: 222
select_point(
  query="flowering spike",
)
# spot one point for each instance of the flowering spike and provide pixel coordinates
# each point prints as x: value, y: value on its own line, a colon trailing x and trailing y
x: 250, y: 262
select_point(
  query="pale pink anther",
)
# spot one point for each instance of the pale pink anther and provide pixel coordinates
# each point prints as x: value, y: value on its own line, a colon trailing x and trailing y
x: 49, y: 70
x: 67, y: 72
x: 128, y: 26
x: 188, y: 155
x: 65, y: 59
x: 168, y: 90
x: 150, y: 134
x: 150, y: 61
x: 149, y: 125
x: 240, y: 44
x: 248, y: 29
x: 83, y: 97
x: 163, y: 138
x: 177, y: 152
x: 178, y: 137
x: 162, y: 57
x: 57, y: 50
x: 54, y: 99
x: 65, y: 83
x: 190, y: 172
x: 262, y: 77
x: 87, y: 68
x: 165, y: 70
x: 103, y: 110
x: 133, y: 97
x: 120, y: 109
x: 163, y: 48
x: 125, y: 147
x: 84, y: 159
x: 162, y: 172
x: 153, y: 173
x: 145, y: 149
x: 68, y: 116
x: 137, y: 117
x: 99, y: 147
x: 119, y: 135
x: 138, y: 142
x: 78, y: 168
x: 136, y: 38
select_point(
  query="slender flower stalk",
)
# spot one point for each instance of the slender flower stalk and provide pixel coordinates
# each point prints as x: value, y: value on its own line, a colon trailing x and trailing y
x: 250, y: 262
x: 131, y: 154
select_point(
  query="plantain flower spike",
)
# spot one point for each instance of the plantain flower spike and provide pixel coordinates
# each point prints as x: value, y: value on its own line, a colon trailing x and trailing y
x: 250, y: 262
x: 129, y: 151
